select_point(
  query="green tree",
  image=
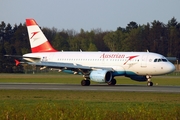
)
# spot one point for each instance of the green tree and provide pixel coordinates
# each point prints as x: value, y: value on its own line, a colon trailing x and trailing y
x: 133, y: 40
x: 74, y: 44
x: 92, y: 47
x: 131, y: 25
x: 174, y: 38
x: 112, y: 41
x: 146, y: 38
x: 2, y: 31
x: 99, y: 41
x: 60, y: 43
x: 20, y: 39
x: 158, y: 35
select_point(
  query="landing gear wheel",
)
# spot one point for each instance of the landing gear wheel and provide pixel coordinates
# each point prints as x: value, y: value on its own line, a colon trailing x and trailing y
x: 150, y: 84
x: 112, y: 82
x: 85, y: 82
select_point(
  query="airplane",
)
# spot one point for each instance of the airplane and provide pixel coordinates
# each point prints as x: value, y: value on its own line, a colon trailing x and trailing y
x: 101, y: 67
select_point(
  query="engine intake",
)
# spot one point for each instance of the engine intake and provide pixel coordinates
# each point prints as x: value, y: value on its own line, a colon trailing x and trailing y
x: 101, y: 76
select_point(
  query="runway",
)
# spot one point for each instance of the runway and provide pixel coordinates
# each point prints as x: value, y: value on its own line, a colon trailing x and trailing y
x: 47, y: 86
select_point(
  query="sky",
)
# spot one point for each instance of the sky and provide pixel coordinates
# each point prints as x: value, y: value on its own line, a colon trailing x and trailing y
x: 106, y: 15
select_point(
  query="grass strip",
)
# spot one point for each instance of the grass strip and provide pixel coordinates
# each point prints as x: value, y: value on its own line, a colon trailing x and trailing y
x: 90, y: 105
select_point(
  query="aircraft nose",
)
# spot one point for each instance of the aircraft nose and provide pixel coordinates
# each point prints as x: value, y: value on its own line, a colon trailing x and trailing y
x: 171, y: 67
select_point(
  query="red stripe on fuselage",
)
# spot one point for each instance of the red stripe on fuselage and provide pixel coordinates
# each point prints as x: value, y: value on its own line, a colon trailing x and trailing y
x: 45, y: 47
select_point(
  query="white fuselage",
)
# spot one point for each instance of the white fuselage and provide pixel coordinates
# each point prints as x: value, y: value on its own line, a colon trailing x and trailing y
x: 129, y: 63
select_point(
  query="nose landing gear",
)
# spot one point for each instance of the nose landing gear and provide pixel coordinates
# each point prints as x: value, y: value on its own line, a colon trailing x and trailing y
x: 149, y: 83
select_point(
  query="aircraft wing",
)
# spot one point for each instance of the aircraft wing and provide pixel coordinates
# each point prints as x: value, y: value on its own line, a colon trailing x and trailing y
x: 36, y: 61
x: 68, y: 65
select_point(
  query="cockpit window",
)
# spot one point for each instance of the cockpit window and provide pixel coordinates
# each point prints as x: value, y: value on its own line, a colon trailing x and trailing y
x: 160, y: 60
x: 164, y: 60
x: 155, y: 60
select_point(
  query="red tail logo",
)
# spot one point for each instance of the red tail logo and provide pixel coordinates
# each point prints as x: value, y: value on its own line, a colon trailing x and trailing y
x: 33, y: 34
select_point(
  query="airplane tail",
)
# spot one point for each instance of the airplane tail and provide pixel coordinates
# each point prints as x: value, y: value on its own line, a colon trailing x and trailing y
x: 38, y: 40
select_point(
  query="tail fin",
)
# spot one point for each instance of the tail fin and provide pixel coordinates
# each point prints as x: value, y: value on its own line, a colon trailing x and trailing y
x: 38, y: 41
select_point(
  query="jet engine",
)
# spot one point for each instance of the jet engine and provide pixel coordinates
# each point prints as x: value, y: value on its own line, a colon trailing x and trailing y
x: 138, y: 78
x: 101, y: 76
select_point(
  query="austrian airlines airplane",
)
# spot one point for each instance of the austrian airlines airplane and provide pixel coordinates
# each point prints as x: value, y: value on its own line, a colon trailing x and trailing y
x: 100, y: 67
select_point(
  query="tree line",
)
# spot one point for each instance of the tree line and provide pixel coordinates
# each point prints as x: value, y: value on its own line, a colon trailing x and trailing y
x: 154, y: 37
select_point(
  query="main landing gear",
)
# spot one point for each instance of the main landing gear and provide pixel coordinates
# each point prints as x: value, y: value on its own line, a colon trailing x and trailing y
x: 85, y: 82
x: 112, y: 82
x: 149, y: 83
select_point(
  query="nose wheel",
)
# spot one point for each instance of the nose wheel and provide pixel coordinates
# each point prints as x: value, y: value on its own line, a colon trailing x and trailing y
x: 149, y: 83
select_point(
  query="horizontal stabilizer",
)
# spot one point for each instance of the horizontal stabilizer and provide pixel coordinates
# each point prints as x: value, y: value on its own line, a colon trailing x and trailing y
x: 24, y: 58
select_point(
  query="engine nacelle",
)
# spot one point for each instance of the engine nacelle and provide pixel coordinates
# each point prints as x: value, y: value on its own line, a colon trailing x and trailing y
x: 101, y: 76
x: 138, y: 78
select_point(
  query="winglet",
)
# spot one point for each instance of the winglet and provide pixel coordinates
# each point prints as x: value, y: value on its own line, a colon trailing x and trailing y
x: 38, y: 40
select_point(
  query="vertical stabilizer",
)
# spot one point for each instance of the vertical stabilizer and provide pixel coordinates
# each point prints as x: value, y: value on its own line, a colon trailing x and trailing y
x: 38, y: 41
